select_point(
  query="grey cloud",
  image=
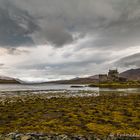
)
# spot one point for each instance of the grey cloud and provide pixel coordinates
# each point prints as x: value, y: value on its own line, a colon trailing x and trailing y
x: 16, y: 25
x: 110, y: 23
x: 119, y: 36
x: 56, y: 35
x: 1, y: 65
x: 129, y: 61
x: 60, y: 69
x: 81, y: 65
x: 16, y: 51
x: 98, y: 32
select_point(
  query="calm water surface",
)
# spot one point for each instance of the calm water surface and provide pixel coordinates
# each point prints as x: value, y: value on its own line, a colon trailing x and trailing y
x: 19, y: 89
x: 41, y: 87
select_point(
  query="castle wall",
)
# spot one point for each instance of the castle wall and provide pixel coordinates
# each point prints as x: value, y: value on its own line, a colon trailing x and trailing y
x: 103, y: 78
x: 112, y: 76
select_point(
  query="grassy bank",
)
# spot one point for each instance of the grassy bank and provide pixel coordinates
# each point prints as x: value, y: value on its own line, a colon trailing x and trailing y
x: 100, y: 115
x: 130, y: 84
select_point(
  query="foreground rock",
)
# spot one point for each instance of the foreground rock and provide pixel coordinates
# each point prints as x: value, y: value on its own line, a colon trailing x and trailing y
x: 34, y: 136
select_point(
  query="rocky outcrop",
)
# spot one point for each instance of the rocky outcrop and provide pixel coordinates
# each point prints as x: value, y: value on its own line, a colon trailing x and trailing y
x: 34, y: 136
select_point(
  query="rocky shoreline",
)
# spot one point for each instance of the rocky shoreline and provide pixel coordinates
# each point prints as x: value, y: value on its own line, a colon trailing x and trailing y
x: 35, y: 136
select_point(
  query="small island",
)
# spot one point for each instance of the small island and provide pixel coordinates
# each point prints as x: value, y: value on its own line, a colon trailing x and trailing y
x: 114, y: 80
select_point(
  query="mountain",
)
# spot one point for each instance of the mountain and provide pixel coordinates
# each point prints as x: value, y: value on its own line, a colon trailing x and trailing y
x: 78, y: 80
x: 132, y: 74
x: 9, y: 80
x: 95, y: 77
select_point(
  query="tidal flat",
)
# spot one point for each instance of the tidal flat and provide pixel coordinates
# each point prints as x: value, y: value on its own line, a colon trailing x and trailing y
x: 95, y: 114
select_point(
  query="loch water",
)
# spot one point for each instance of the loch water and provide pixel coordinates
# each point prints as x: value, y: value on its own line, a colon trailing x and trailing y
x: 65, y: 89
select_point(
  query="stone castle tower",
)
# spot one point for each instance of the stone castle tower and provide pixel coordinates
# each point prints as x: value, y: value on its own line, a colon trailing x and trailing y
x: 113, y: 75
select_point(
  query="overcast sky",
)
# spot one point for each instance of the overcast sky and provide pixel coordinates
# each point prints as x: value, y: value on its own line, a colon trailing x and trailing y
x: 62, y: 39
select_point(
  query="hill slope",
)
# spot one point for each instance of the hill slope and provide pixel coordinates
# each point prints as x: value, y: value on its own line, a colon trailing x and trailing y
x: 132, y: 74
x: 8, y: 80
x: 79, y: 80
